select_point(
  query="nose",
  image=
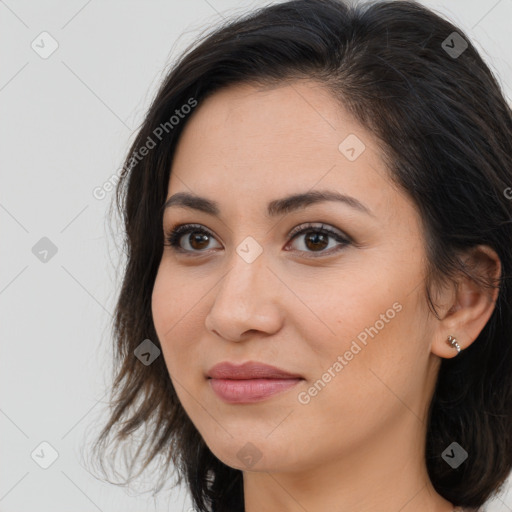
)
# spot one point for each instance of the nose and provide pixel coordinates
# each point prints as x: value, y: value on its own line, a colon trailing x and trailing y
x: 248, y: 300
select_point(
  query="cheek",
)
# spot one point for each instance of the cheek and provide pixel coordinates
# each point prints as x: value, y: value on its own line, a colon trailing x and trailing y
x: 352, y: 306
x: 175, y: 308
x: 371, y: 373
x: 365, y: 328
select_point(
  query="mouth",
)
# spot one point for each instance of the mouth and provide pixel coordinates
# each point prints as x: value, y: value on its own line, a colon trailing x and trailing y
x: 250, y: 382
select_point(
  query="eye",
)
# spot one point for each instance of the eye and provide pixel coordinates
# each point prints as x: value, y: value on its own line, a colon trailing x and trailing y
x: 199, y: 238
x: 317, y: 239
x: 197, y: 241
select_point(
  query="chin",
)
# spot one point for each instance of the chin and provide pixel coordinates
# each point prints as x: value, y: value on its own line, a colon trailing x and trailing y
x: 258, y: 456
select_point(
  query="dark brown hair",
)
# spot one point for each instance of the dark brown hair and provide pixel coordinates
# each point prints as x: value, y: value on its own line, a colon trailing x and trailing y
x: 445, y: 129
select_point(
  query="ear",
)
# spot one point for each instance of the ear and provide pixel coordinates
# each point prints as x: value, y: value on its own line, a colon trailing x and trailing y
x: 468, y: 304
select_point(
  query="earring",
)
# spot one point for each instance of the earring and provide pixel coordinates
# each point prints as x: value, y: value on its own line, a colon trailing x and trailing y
x: 453, y: 342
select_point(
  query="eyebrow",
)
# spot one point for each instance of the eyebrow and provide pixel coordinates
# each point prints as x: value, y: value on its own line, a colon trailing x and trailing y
x: 275, y: 208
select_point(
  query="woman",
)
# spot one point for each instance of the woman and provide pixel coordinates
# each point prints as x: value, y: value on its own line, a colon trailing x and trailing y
x: 315, y: 312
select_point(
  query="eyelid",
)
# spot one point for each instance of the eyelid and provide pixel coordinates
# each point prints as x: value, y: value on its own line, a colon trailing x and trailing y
x: 339, y: 236
x: 321, y: 227
x: 177, y: 231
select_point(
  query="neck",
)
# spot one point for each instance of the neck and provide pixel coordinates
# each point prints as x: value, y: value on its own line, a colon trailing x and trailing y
x: 385, y: 475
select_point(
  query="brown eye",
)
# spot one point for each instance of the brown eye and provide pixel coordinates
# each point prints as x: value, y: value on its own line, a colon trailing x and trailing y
x: 197, y: 240
x: 190, y: 238
x: 317, y: 239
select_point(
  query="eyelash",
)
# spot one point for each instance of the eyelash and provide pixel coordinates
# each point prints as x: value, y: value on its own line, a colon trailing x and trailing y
x: 174, y: 236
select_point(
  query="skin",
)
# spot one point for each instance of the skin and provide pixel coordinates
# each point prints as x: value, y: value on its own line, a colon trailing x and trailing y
x: 357, y: 445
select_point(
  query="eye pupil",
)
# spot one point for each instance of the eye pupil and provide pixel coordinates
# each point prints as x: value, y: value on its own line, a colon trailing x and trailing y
x: 200, y: 239
x: 314, y: 238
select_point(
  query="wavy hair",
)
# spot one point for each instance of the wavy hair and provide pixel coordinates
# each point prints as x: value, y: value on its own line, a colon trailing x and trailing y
x: 444, y: 128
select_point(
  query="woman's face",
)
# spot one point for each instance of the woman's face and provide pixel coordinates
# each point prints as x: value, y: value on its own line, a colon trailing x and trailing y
x: 344, y: 310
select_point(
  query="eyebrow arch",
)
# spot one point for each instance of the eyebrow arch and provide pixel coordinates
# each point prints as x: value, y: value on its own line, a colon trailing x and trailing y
x: 275, y: 208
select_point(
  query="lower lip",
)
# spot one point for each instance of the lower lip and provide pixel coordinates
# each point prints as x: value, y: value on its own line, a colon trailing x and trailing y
x: 250, y: 390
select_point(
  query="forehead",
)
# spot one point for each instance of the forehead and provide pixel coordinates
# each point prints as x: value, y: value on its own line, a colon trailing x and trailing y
x: 262, y: 143
x: 290, y: 122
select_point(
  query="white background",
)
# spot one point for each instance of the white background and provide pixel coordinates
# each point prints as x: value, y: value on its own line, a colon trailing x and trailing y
x: 66, y: 123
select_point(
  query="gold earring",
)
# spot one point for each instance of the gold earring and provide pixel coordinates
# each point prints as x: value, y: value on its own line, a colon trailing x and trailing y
x: 453, y: 342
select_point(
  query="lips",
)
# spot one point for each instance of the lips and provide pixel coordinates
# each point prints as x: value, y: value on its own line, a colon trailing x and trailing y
x: 249, y: 370
x: 249, y: 382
